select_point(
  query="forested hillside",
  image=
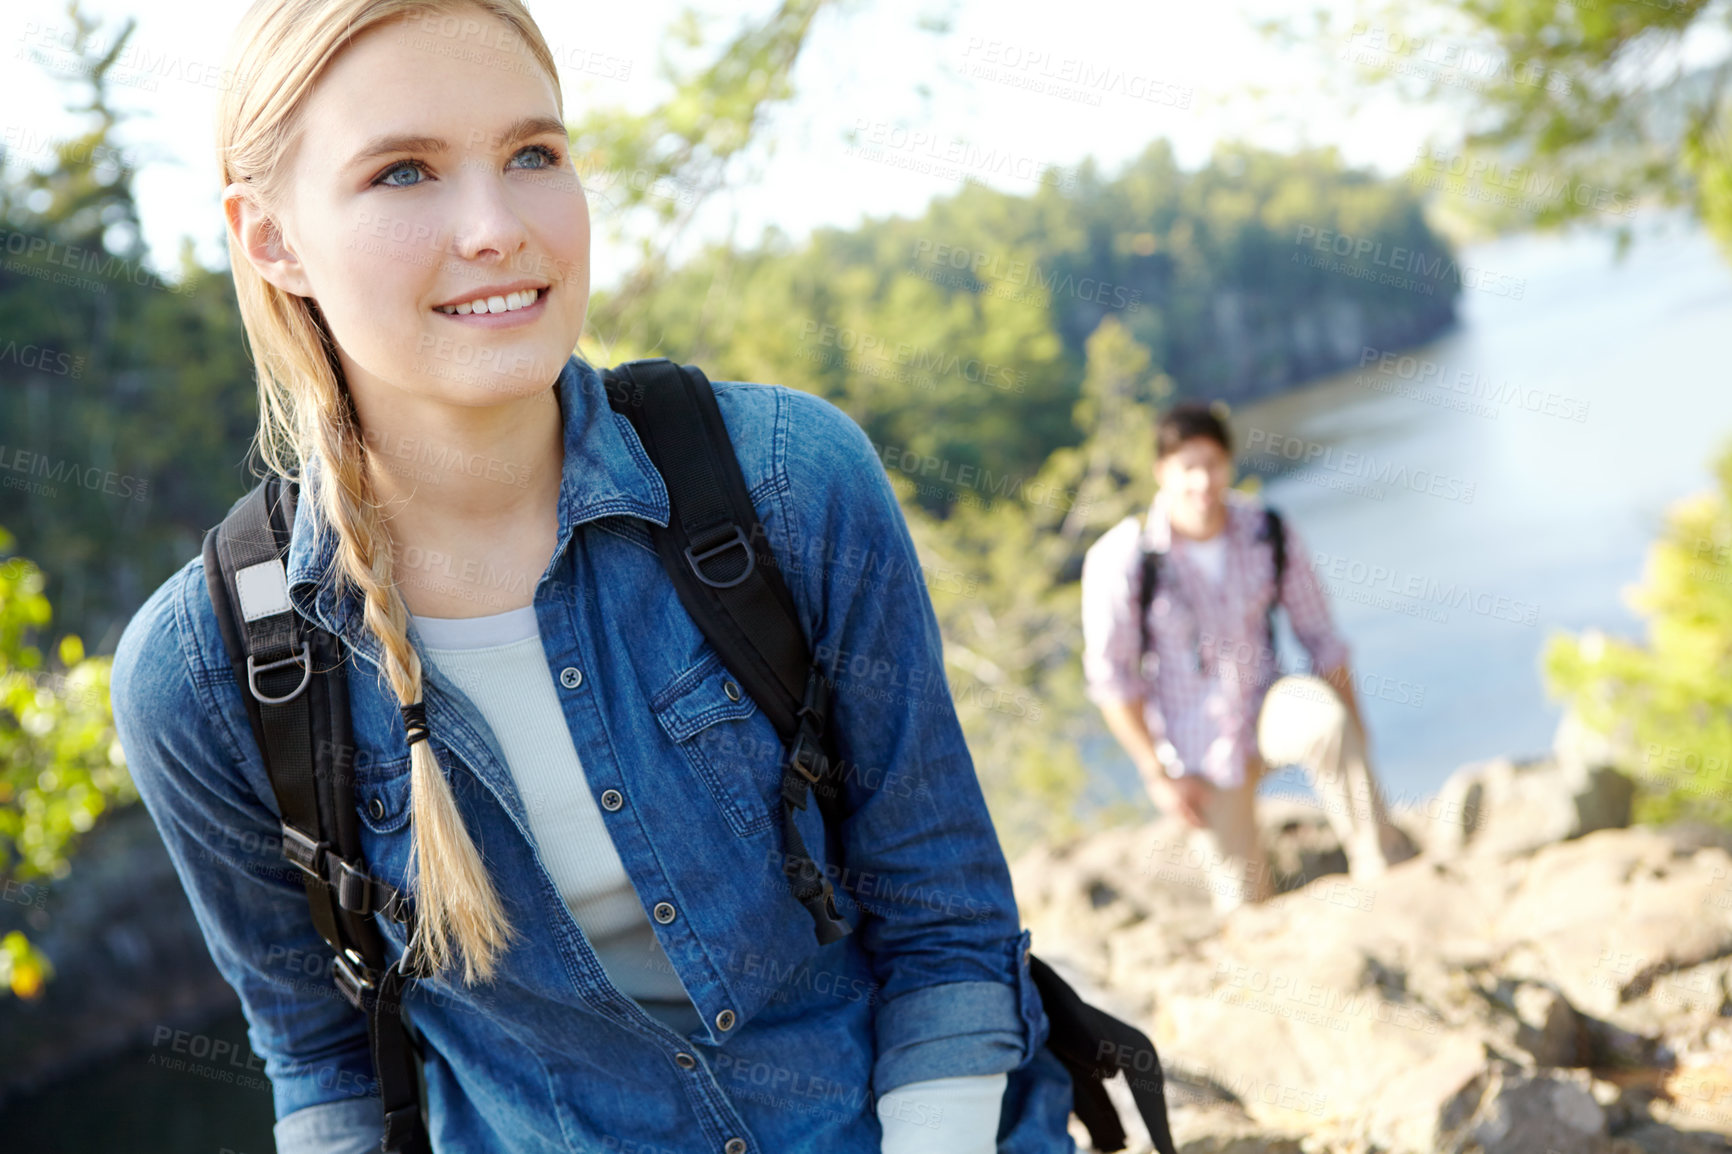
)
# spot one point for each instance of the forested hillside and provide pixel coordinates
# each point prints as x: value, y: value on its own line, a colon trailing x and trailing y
x: 961, y: 334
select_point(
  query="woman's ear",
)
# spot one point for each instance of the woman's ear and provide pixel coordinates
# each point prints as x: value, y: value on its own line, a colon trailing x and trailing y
x: 260, y: 239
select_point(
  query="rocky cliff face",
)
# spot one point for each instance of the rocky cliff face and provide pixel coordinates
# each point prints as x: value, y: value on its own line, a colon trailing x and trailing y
x: 1256, y: 345
x: 1539, y: 980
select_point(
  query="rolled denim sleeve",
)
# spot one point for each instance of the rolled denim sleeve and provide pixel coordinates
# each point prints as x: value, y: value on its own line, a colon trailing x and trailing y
x: 174, y: 701
x: 938, y: 915
x: 1307, y: 605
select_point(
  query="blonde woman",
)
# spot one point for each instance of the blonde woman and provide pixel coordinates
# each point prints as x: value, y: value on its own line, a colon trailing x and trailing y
x: 550, y: 759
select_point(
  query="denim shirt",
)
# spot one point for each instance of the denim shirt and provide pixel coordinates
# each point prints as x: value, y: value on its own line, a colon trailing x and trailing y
x: 796, y: 1040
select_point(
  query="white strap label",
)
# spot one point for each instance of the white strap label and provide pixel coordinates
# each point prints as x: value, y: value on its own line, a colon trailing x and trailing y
x: 263, y: 589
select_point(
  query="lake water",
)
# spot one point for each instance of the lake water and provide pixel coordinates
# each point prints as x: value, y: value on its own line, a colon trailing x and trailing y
x: 1588, y: 405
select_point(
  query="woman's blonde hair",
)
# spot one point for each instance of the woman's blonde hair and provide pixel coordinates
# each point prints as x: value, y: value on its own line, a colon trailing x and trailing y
x: 308, y: 428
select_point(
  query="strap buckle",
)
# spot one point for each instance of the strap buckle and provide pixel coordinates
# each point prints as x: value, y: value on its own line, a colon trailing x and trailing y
x: 738, y: 537
x: 816, y: 703
x: 400, y: 1126
x: 808, y: 752
x: 302, y: 850
x: 304, y: 659
x: 353, y: 984
x: 354, y: 888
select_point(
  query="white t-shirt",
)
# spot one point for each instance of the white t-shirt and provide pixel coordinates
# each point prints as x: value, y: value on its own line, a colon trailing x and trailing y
x: 497, y: 660
x: 1210, y: 555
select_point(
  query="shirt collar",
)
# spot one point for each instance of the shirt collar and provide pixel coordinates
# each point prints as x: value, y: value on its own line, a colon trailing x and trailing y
x: 1158, y: 530
x: 605, y: 472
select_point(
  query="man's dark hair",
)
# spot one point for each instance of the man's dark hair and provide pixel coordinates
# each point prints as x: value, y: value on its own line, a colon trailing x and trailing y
x: 1189, y: 419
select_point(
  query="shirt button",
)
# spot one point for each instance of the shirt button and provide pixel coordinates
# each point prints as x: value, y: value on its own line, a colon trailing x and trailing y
x: 725, y: 1021
x: 732, y: 690
x: 571, y: 677
x: 611, y: 800
x: 377, y: 809
x: 664, y: 913
x: 685, y: 1060
x: 734, y: 1146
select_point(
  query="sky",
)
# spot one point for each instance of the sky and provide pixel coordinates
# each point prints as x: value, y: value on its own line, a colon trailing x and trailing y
x: 980, y: 89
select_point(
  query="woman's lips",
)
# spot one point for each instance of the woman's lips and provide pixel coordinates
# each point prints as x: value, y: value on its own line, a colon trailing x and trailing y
x: 507, y: 320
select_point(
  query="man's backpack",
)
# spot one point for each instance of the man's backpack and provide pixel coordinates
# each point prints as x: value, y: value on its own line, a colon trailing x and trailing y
x: 1273, y: 531
x: 715, y: 551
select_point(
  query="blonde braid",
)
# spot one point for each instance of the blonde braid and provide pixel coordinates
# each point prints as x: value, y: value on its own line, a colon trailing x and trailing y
x: 457, y: 906
x: 308, y: 429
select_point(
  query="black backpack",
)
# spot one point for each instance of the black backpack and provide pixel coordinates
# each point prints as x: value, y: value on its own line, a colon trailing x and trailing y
x: 715, y: 552
x: 1272, y: 531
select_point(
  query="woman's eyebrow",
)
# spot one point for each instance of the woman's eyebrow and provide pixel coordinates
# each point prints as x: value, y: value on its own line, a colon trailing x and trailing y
x: 520, y: 129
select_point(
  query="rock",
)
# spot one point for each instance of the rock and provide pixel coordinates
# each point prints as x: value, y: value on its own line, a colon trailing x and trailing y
x: 1510, y: 1111
x: 1225, y: 1129
x: 1301, y: 844
x: 1454, y: 1005
x: 1608, y: 914
x: 1625, y: 1104
x: 1504, y: 807
x: 1697, y: 1096
x: 1653, y: 1138
x: 1548, y: 1028
x: 1128, y: 895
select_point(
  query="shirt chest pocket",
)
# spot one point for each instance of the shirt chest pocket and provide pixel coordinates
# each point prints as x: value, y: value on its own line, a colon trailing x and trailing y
x: 727, y: 741
x: 382, y: 801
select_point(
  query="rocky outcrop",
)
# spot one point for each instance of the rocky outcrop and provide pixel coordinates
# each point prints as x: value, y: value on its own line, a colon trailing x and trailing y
x: 1498, y: 994
x: 1542, y: 978
x: 1505, y: 807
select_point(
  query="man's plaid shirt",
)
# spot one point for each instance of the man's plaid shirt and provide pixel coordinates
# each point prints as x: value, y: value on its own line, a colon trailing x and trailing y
x: 1209, y: 661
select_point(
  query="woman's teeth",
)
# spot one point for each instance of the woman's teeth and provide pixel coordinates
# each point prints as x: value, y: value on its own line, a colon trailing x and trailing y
x: 508, y: 303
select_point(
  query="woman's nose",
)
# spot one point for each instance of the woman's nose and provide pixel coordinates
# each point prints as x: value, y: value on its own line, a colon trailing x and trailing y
x: 485, y: 219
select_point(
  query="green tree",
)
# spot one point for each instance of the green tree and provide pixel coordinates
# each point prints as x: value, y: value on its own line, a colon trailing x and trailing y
x: 1002, y: 573
x: 960, y: 335
x: 647, y: 174
x: 60, y: 763
x: 1666, y: 702
x: 1586, y: 108
x: 97, y: 347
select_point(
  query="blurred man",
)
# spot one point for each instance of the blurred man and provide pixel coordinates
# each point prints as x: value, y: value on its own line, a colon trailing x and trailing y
x: 1207, y: 713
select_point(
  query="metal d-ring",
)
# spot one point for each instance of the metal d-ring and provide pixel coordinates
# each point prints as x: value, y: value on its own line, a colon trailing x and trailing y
x: 738, y: 537
x: 304, y: 659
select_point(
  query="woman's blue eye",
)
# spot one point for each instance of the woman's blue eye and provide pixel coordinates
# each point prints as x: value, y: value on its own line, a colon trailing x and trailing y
x: 548, y: 154
x: 414, y: 165
x: 551, y: 156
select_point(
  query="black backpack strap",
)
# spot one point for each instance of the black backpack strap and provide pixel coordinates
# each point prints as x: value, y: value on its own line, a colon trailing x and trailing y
x: 1094, y: 1045
x: 1082, y: 1036
x: 1151, y: 576
x: 1275, y: 532
x: 715, y: 551
x: 294, y: 685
